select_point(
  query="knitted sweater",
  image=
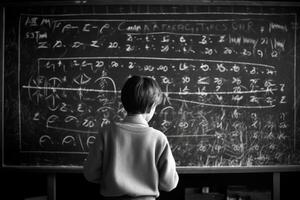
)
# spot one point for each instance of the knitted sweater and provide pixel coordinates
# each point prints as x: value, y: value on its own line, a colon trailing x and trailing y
x: 131, y: 159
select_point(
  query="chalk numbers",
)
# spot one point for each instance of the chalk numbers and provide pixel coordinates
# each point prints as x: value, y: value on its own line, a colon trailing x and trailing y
x: 225, y: 88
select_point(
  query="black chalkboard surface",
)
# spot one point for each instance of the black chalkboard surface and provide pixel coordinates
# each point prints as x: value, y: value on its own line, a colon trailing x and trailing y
x: 229, y: 76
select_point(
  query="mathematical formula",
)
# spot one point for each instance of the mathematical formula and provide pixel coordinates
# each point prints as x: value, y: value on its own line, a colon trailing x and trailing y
x: 226, y: 98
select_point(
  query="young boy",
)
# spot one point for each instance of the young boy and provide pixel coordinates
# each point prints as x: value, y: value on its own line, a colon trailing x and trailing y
x: 132, y: 160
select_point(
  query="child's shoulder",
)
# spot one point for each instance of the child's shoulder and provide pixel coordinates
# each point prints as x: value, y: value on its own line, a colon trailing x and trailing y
x: 159, y: 134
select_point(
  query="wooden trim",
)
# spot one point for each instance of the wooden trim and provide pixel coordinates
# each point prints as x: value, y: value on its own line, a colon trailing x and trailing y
x: 180, y: 170
x: 154, y: 2
x: 2, y: 39
x: 252, y: 169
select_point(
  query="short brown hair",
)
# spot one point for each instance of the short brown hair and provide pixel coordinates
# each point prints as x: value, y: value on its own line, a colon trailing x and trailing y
x: 139, y: 94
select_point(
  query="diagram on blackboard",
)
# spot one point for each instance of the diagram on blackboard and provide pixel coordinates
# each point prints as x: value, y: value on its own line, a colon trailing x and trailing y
x: 228, y: 83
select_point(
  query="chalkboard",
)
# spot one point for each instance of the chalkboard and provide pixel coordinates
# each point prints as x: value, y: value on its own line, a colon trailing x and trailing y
x: 228, y: 73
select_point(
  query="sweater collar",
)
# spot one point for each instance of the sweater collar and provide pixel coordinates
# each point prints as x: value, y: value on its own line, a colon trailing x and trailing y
x: 136, y: 119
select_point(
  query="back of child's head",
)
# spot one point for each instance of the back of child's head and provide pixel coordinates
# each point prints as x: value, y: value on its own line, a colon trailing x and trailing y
x: 139, y: 94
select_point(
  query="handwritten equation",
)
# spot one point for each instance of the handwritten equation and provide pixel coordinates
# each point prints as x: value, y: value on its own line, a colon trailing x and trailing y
x: 228, y: 88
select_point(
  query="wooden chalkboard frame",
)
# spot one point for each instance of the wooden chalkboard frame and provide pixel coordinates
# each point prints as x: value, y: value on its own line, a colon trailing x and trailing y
x: 1, y: 78
x: 136, y: 2
x: 264, y: 3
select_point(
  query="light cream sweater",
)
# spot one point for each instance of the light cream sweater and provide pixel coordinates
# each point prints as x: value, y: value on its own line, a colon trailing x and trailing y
x: 132, y: 159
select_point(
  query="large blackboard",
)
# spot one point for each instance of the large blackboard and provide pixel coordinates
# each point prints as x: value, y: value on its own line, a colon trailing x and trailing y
x: 229, y: 76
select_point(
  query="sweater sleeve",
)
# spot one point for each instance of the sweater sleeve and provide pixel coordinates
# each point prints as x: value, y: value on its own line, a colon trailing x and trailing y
x: 168, y: 177
x: 92, y: 166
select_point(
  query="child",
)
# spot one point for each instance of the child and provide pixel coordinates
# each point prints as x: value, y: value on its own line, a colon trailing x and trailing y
x: 132, y: 160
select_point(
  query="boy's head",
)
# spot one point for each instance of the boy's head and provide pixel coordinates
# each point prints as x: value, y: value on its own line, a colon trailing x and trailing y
x: 139, y: 94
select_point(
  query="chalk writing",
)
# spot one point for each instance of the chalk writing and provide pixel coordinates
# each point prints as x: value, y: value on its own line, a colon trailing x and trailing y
x: 227, y: 97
